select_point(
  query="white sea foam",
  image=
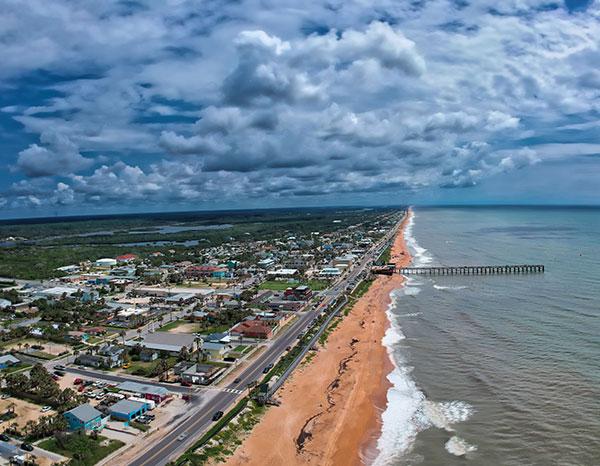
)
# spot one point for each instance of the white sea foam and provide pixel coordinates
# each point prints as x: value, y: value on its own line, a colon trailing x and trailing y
x: 411, y: 314
x: 420, y: 256
x: 459, y: 447
x: 408, y: 412
x: 442, y: 287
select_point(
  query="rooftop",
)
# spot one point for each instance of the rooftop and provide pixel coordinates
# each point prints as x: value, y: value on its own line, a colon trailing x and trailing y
x: 85, y: 412
x: 136, y: 387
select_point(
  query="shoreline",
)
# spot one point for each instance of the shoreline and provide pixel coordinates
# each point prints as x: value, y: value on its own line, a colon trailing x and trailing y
x: 331, y: 408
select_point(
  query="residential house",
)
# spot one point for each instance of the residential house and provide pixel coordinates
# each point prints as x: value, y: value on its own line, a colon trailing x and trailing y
x: 84, y: 417
x: 215, y: 350
x: 171, y: 343
x: 126, y: 258
x: 8, y: 360
x: 201, y: 374
x: 282, y: 273
x: 298, y: 293
x: 148, y: 355
x: 108, y: 356
x: 255, y: 328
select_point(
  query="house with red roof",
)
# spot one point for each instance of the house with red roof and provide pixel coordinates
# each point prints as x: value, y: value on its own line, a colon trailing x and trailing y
x: 252, y: 329
x: 126, y: 258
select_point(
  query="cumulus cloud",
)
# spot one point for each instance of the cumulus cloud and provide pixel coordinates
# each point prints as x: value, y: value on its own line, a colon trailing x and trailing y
x: 57, y: 156
x: 241, y: 101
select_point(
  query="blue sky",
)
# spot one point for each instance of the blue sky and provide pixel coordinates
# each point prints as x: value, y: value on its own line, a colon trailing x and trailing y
x: 168, y: 105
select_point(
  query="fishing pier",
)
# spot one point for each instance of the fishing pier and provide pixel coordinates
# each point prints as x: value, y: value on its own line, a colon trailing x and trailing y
x: 472, y: 270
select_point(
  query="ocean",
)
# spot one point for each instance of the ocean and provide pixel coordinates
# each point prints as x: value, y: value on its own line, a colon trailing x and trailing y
x: 497, y: 370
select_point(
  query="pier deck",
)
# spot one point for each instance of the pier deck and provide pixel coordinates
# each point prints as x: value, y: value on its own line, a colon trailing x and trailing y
x: 472, y: 270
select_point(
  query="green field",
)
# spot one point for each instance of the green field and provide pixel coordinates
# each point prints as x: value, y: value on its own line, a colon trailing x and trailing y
x: 172, y: 325
x: 145, y: 369
x: 83, y: 450
x: 280, y: 285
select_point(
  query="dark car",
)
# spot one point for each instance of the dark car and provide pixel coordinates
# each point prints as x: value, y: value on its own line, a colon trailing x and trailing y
x: 237, y: 380
x: 26, y: 447
x: 59, y: 373
x: 4, y: 438
x: 218, y: 415
x: 268, y: 368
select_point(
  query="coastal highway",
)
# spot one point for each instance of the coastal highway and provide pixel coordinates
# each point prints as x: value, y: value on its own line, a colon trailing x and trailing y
x: 182, y: 436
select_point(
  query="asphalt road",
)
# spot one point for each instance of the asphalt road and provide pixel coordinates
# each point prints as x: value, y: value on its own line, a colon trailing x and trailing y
x: 170, y: 447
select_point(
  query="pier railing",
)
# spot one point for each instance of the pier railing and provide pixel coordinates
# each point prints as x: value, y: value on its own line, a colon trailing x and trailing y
x: 472, y: 270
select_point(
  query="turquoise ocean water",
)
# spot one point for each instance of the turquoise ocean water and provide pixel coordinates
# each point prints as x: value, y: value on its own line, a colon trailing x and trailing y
x: 497, y: 370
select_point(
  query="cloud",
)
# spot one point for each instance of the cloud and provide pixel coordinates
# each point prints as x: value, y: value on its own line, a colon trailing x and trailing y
x: 183, y: 104
x: 58, y: 156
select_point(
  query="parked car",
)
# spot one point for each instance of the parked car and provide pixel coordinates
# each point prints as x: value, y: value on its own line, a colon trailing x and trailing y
x: 4, y: 438
x: 45, y: 409
x: 185, y: 383
x: 26, y: 447
x: 81, y: 388
x: 77, y: 381
x: 218, y: 415
x: 55, y: 377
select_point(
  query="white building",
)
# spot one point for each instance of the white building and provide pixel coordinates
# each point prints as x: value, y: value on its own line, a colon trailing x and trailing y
x: 105, y: 262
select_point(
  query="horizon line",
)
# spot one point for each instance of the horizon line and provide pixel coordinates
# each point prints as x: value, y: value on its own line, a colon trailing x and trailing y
x: 76, y: 217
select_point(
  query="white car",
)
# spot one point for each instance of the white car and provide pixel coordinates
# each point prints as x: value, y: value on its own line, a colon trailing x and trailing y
x: 182, y: 436
x: 45, y: 409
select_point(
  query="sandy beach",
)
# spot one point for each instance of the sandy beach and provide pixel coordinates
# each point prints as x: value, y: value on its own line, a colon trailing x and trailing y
x: 330, y: 411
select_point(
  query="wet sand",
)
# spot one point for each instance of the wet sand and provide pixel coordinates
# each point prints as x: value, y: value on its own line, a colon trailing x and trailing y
x: 330, y: 411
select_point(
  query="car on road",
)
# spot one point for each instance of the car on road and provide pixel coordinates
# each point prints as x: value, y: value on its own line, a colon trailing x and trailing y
x: 60, y: 367
x: 59, y: 373
x: 218, y: 415
x: 182, y: 437
x: 268, y: 368
x: 45, y: 409
x: 237, y: 380
x: 4, y: 438
x: 26, y: 447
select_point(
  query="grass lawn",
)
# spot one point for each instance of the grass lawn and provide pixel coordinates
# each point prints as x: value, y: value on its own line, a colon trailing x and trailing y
x: 94, y: 339
x: 281, y: 285
x: 213, y: 329
x: 139, y: 426
x: 172, y: 325
x: 41, y: 355
x: 17, y: 367
x: 83, y: 450
x: 144, y: 368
